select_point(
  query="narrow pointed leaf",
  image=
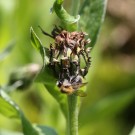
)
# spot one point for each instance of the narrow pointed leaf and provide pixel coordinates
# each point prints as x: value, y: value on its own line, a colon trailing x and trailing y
x: 38, y: 45
x: 92, y: 14
x: 28, y: 128
x: 7, y: 107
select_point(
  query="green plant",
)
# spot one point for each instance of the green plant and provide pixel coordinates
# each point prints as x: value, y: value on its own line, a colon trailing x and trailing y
x: 90, y: 18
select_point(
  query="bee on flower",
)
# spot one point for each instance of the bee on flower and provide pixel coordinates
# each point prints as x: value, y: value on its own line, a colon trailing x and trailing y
x: 66, y: 56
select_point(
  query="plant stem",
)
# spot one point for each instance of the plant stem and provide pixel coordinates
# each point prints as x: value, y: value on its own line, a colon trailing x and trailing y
x: 72, y: 120
x: 75, y: 7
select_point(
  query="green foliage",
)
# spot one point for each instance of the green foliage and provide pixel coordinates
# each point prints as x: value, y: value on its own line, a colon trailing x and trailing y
x: 46, y: 130
x: 6, y: 51
x: 109, y: 93
x: 9, y: 133
x: 70, y: 22
x: 92, y: 14
x: 133, y: 131
x: 38, y: 45
x: 46, y: 76
x: 8, y: 107
x: 11, y: 110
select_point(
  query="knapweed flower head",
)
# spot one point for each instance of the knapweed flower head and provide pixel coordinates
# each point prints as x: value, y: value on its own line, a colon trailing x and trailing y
x: 69, y: 58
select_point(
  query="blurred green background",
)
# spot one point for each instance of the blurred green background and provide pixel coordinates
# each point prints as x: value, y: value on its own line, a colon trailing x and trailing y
x: 109, y: 108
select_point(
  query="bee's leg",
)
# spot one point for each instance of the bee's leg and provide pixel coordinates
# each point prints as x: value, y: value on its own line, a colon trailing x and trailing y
x: 67, y: 73
x: 87, y: 60
x: 78, y: 65
x: 51, y: 54
x: 84, y: 57
x: 87, y: 66
x: 73, y: 68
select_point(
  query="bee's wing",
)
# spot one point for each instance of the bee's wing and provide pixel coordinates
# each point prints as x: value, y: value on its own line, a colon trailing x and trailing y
x: 80, y: 93
x: 77, y: 92
x: 83, y: 84
x: 78, y: 85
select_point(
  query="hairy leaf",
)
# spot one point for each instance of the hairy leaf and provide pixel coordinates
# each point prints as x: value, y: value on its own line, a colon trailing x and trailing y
x: 92, y: 14
x: 9, y: 109
x: 45, y: 130
x: 133, y: 131
x: 38, y: 45
x: 70, y: 22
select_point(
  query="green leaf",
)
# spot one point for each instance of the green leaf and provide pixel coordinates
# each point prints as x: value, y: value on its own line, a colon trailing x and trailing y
x: 133, y: 131
x: 9, y: 133
x: 46, y: 77
x: 28, y: 128
x: 92, y: 14
x: 107, y: 107
x: 9, y: 109
x: 38, y: 45
x: 7, y: 50
x: 70, y: 22
x: 44, y: 130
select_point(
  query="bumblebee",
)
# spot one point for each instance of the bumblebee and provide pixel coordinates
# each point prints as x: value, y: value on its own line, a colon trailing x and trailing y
x: 72, y: 85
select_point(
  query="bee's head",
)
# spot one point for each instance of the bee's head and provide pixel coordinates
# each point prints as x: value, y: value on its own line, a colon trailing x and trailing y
x: 65, y: 86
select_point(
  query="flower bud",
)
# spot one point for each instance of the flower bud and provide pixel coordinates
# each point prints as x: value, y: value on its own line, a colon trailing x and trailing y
x: 65, y: 54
